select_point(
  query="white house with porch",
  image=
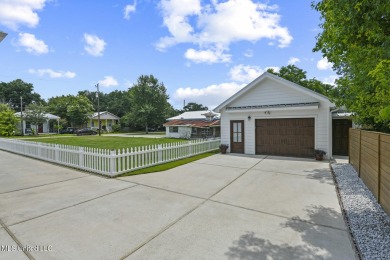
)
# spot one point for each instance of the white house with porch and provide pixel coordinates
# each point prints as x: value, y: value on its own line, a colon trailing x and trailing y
x: 51, y: 125
x: 107, y: 120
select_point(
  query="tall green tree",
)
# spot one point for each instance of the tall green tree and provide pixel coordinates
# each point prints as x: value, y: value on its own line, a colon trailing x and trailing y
x: 8, y: 121
x: 12, y: 91
x: 35, y: 114
x: 355, y: 37
x: 149, y: 102
x: 79, y: 110
x: 116, y: 102
x: 192, y: 106
x: 74, y: 109
x: 294, y: 74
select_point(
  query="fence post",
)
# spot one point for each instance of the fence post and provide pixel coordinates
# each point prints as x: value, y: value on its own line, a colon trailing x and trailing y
x: 56, y: 153
x: 112, y: 162
x: 360, y: 151
x: 159, y: 153
x: 81, y: 157
x: 189, y: 148
x: 379, y: 168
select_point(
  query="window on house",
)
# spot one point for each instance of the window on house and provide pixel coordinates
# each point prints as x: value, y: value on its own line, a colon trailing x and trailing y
x: 173, y: 129
x: 205, y: 131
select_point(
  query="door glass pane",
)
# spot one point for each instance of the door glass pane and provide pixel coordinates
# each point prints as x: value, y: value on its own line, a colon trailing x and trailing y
x: 235, y: 138
x: 239, y: 138
x: 238, y: 128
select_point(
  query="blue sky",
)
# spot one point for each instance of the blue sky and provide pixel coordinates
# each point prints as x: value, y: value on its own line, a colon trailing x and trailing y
x: 203, y: 51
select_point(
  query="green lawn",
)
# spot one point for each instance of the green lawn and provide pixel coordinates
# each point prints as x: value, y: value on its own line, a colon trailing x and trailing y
x: 106, y: 142
x: 170, y: 165
x: 116, y: 142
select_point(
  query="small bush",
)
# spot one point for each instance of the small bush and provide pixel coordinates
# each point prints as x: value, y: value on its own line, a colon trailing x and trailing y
x: 116, y: 128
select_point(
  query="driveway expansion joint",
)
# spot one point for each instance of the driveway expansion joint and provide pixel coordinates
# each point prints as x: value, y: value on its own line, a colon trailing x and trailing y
x: 74, y: 205
x: 241, y: 168
x: 187, y: 213
x: 172, y: 191
x: 12, y: 235
x: 46, y: 184
x: 279, y: 216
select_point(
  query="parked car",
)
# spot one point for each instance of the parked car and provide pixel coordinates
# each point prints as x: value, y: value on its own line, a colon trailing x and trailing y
x: 68, y: 130
x: 85, y: 131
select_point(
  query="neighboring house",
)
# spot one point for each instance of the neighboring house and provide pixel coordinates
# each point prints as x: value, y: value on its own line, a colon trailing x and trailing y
x: 107, y: 120
x: 51, y: 125
x: 193, y: 124
x: 274, y: 116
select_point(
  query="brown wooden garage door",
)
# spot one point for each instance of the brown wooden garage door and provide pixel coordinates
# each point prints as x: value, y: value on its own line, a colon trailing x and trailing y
x: 285, y: 137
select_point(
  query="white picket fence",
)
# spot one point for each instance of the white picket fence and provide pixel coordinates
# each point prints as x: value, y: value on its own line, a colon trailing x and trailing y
x: 109, y: 162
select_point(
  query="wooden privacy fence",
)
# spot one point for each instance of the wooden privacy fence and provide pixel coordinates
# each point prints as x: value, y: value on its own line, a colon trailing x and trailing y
x: 369, y: 154
x: 105, y: 161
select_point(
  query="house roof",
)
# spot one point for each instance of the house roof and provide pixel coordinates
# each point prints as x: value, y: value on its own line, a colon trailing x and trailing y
x: 46, y: 115
x: 104, y: 115
x: 193, y: 115
x: 267, y: 75
x: 193, y: 123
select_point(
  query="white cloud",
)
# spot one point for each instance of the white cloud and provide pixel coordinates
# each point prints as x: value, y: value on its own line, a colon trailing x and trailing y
x: 14, y: 13
x: 108, y: 81
x: 32, y: 44
x: 176, y: 13
x: 210, y: 96
x: 242, y: 73
x: 215, y: 26
x: 330, y: 80
x: 207, y: 56
x: 129, y: 9
x: 324, y: 64
x: 248, y: 53
x: 293, y: 61
x: 94, y: 45
x: 52, y: 73
x: 246, y: 73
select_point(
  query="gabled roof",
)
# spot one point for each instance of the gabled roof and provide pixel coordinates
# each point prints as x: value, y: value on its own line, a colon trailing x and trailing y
x: 193, y: 123
x: 46, y: 115
x: 270, y: 76
x: 193, y: 115
x: 104, y: 115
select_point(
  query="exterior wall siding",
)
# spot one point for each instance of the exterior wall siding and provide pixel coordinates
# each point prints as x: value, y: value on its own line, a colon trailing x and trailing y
x: 320, y: 115
x: 270, y: 92
x: 183, y: 132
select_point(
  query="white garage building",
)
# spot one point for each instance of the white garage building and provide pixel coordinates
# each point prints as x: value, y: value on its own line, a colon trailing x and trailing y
x: 274, y: 116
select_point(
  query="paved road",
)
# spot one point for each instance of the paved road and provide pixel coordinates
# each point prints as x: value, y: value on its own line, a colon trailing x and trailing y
x: 220, y: 207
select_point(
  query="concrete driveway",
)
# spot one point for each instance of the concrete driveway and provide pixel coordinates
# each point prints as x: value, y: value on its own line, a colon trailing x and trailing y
x: 220, y: 207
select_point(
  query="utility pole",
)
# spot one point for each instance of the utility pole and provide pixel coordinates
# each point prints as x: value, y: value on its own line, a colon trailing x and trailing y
x: 97, y: 96
x: 21, y: 115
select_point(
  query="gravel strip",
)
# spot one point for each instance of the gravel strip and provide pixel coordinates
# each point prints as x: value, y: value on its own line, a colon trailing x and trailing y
x: 368, y: 223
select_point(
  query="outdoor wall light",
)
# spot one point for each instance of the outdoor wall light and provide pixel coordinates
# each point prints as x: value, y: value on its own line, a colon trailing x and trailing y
x: 267, y: 112
x: 249, y: 117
